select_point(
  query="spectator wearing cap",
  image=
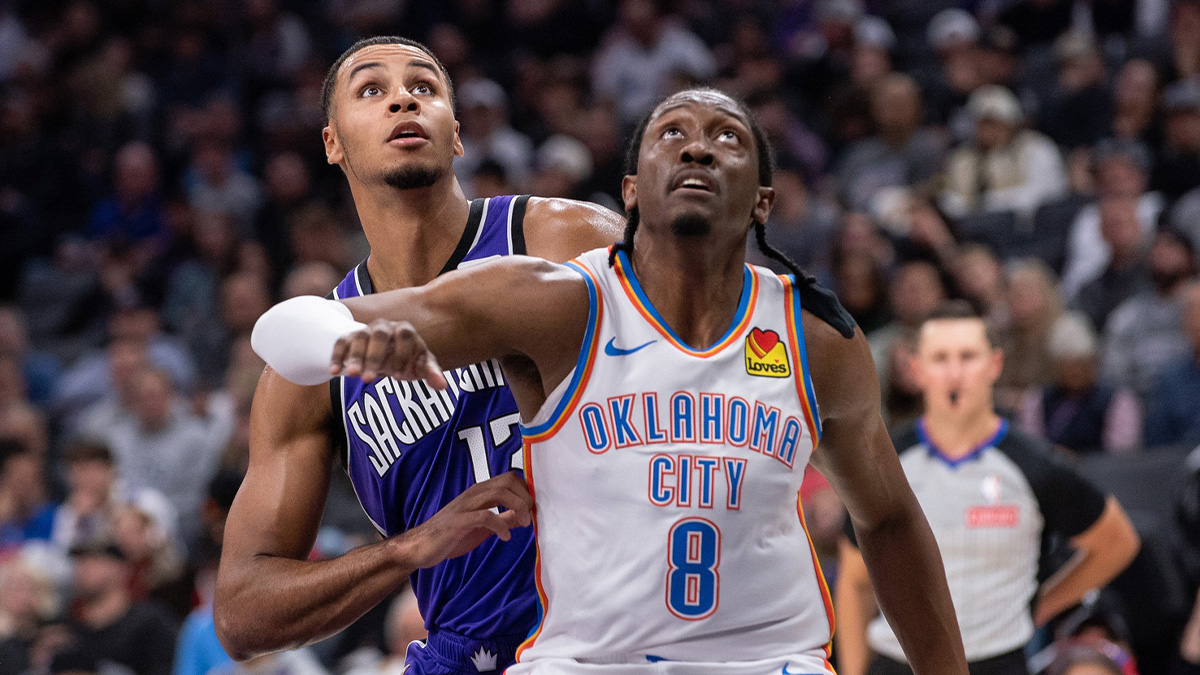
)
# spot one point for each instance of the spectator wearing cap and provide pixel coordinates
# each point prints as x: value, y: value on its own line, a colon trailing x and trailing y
x: 954, y: 34
x: 642, y: 55
x: 1144, y: 335
x: 899, y: 154
x: 1173, y: 412
x: 108, y: 623
x: 871, y: 58
x: 487, y: 135
x: 1079, y: 111
x: 1076, y: 411
x: 1178, y: 166
x: 1005, y: 167
x: 1122, y: 173
x: 563, y: 166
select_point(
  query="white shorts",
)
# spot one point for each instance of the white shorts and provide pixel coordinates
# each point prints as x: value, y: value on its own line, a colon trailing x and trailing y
x: 800, y: 664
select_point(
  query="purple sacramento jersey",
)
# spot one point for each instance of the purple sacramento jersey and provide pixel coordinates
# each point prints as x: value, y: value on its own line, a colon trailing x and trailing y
x: 410, y: 450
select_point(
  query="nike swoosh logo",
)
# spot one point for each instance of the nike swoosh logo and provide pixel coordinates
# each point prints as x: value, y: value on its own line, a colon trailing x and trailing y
x: 788, y: 672
x: 613, y: 350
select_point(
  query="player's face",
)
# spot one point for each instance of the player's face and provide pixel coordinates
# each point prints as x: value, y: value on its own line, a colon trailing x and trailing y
x: 392, y: 122
x: 698, y: 169
x: 956, y: 366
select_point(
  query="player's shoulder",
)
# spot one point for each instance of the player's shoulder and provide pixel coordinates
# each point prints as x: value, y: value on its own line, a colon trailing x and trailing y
x: 560, y: 229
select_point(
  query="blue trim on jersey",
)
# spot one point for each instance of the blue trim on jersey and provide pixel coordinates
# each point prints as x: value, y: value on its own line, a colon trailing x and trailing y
x: 580, y: 362
x: 747, y: 283
x: 937, y: 453
x: 802, y: 348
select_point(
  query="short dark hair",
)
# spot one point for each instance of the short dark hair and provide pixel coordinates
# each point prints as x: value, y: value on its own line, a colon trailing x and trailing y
x: 330, y: 82
x: 87, y: 450
x: 961, y: 309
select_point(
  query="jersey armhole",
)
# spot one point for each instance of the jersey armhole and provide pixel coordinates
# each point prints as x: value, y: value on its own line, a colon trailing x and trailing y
x: 516, y: 226
x: 568, y: 396
x: 804, y: 385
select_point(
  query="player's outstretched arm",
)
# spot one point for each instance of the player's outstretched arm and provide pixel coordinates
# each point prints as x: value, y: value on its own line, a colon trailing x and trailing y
x: 857, y: 456
x: 269, y: 595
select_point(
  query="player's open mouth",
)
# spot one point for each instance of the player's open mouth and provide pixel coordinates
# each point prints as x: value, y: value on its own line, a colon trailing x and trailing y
x: 407, y: 133
x: 693, y: 181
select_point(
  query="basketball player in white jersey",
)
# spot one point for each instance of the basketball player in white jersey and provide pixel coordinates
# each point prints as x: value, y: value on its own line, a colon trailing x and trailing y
x: 671, y: 398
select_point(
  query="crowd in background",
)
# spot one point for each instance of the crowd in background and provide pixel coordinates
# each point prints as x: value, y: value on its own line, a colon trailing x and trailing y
x: 162, y: 183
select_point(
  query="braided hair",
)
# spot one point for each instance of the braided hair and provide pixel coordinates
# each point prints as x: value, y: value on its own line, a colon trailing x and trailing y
x: 819, y: 300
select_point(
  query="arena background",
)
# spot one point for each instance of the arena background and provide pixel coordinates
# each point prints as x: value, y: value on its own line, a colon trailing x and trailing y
x: 162, y: 182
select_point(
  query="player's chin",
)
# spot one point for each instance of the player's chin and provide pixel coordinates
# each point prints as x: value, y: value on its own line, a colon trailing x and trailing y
x: 414, y: 175
x: 691, y: 222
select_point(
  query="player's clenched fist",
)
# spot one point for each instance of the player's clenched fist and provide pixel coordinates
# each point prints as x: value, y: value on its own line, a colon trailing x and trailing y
x: 471, y: 518
x: 385, y: 347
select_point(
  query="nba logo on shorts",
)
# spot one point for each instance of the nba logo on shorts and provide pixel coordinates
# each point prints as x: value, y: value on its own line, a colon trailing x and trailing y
x: 766, y: 355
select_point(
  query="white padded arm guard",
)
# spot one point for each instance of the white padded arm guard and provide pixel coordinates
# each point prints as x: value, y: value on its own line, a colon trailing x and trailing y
x: 296, y: 337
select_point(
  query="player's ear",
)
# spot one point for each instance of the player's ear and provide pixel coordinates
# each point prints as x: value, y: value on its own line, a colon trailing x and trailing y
x: 629, y: 192
x: 995, y: 364
x: 458, y: 147
x: 333, y: 147
x: 763, y: 204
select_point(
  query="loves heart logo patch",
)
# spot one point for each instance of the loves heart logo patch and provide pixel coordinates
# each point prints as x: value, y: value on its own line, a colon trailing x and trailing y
x: 766, y: 354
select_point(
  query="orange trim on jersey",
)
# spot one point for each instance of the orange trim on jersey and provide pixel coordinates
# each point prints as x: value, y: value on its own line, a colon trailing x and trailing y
x: 825, y: 596
x: 800, y: 375
x: 527, y: 448
x: 584, y: 368
x: 746, y: 306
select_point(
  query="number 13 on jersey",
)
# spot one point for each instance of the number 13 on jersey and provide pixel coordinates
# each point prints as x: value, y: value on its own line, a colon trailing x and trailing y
x: 693, y: 555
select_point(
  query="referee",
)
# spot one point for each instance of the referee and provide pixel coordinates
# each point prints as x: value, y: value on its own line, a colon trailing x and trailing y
x: 992, y: 496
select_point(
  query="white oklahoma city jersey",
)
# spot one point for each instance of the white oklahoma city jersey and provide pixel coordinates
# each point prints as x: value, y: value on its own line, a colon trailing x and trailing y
x: 666, y: 481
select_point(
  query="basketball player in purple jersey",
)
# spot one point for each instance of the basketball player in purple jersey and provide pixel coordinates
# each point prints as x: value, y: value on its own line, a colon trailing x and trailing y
x: 428, y: 467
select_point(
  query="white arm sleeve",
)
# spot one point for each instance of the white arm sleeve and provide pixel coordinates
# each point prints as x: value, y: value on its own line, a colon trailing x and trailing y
x: 296, y: 337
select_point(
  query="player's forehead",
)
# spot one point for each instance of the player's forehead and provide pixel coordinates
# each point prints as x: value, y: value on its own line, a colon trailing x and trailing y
x: 388, y: 56
x: 699, y: 102
x: 953, y: 334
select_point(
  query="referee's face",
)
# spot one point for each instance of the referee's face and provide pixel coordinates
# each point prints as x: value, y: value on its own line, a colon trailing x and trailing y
x: 956, y: 366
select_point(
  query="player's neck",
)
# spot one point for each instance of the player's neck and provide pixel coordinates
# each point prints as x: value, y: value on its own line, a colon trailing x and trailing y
x: 956, y: 433
x: 694, y: 284
x: 412, y: 232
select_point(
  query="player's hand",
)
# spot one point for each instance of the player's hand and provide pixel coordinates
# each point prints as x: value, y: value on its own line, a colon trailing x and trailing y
x: 470, y: 519
x: 390, y: 348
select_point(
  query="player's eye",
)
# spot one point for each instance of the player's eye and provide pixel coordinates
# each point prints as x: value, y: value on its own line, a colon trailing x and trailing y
x: 423, y: 88
x: 672, y: 132
x: 370, y: 91
x: 730, y: 135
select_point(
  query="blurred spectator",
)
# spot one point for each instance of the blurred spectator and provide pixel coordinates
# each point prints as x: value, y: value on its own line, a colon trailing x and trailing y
x: 487, y: 135
x: 58, y: 297
x: 491, y: 180
x: 314, y: 278
x: 166, y: 448
x: 916, y: 288
x: 287, y: 186
x: 1006, y: 167
x: 199, y: 651
x: 821, y: 52
x: 954, y: 35
x: 1185, y: 38
x: 19, y: 420
x: 1125, y: 272
x: 403, y: 626
x: 802, y: 226
x: 859, y: 282
x: 899, y: 154
x: 902, y: 402
x: 1144, y: 335
x: 28, y: 598
x: 97, y: 374
x: 1084, y: 660
x: 1034, y: 306
x: 127, y: 358
x: 144, y: 529
x: 641, y: 56
x: 25, y: 513
x: 563, y: 166
x: 244, y: 297
x: 1079, y: 113
x: 1178, y: 166
x: 1122, y: 171
x: 216, y: 183
x: 871, y: 59
x: 108, y: 623
x: 315, y: 235
x: 39, y: 369
x: 90, y: 504
x: 135, y: 210
x: 278, y: 44
x: 191, y: 297
x: 979, y: 277
x: 1173, y: 416
x: 796, y: 146
x: 1135, y: 102
x: 1075, y: 411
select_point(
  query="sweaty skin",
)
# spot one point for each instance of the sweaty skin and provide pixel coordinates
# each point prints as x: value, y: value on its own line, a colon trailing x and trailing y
x: 532, y: 315
x: 265, y: 577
